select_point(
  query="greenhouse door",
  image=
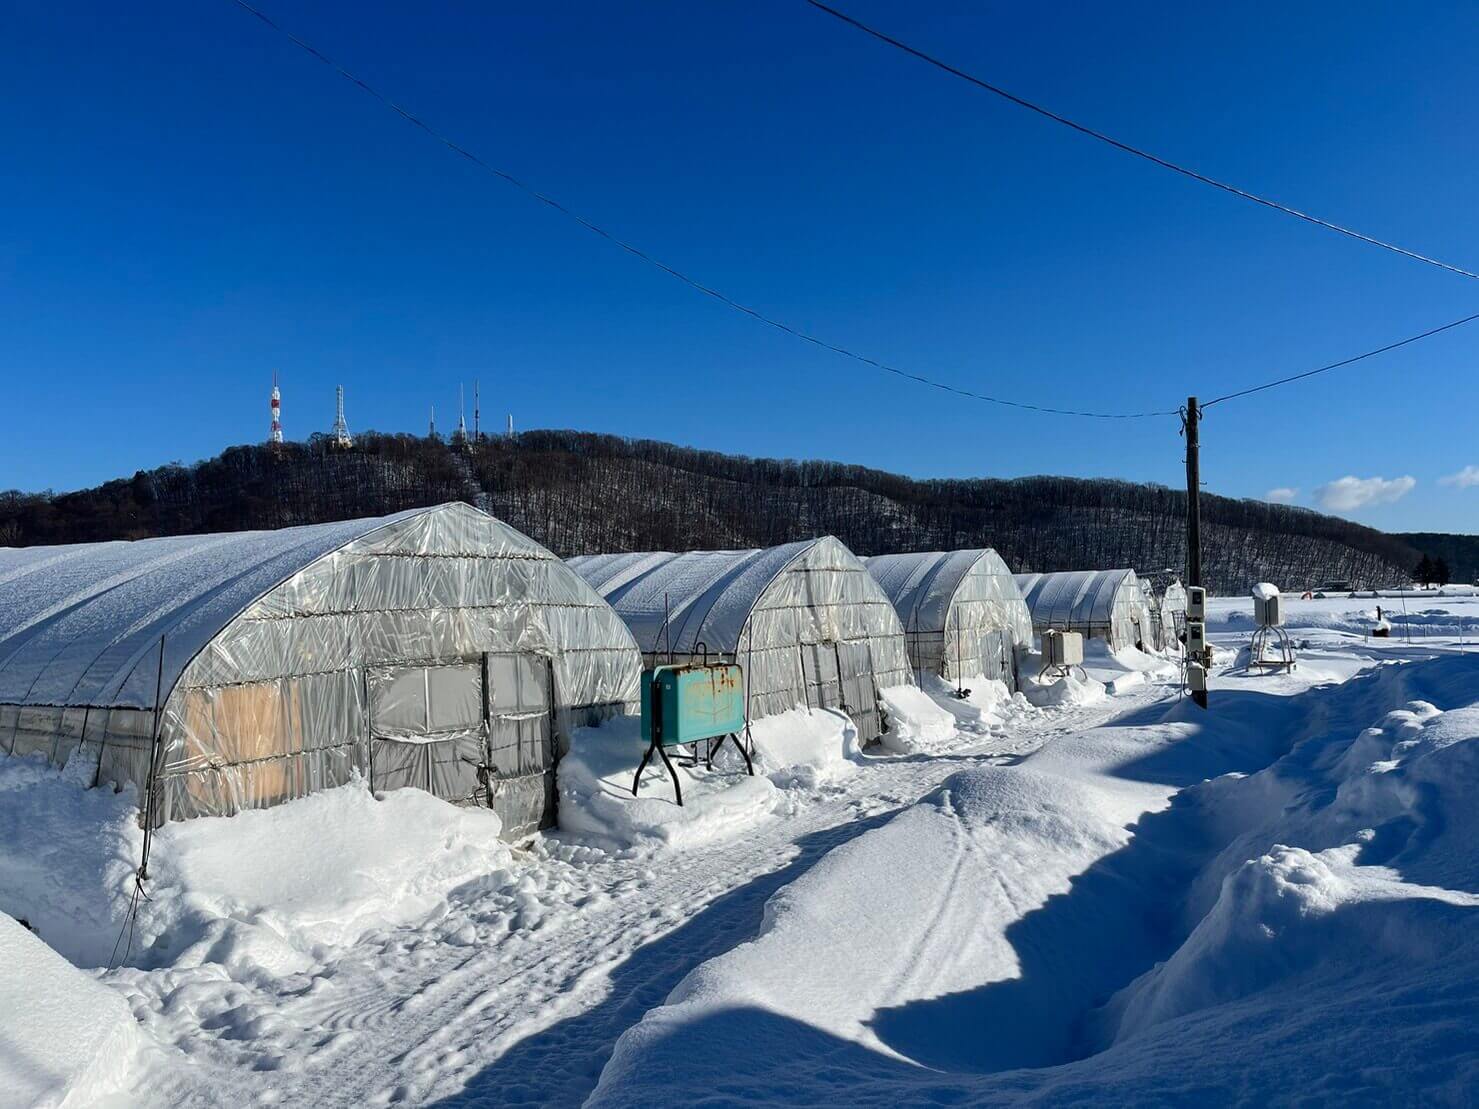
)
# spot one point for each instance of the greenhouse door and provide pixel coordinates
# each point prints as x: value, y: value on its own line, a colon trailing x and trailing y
x: 995, y: 652
x: 521, y: 742
x: 819, y: 672
x: 426, y: 728
x: 859, y: 698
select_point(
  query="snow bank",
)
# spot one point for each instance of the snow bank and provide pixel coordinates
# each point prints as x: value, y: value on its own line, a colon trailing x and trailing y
x: 596, y: 802
x: 266, y: 888
x: 1065, y: 692
x: 806, y: 748
x: 1292, y: 915
x: 916, y: 723
x: 67, y: 857
x: 986, y: 707
x: 1117, y: 667
x: 66, y: 1040
x: 259, y: 891
x: 900, y: 913
x: 1352, y: 872
x: 1327, y: 949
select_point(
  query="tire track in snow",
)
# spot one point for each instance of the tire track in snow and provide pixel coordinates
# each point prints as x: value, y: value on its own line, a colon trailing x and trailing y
x: 530, y: 1016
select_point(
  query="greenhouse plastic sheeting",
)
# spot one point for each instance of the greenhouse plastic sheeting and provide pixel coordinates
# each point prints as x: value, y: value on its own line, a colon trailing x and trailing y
x: 1173, y: 613
x: 962, y: 613
x: 763, y: 609
x: 1102, y: 604
x: 270, y: 643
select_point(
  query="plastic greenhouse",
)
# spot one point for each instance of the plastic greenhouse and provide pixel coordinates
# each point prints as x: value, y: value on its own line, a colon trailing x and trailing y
x: 436, y: 648
x: 962, y: 613
x: 1173, y: 614
x: 1101, y: 604
x: 1150, y: 603
x: 806, y: 621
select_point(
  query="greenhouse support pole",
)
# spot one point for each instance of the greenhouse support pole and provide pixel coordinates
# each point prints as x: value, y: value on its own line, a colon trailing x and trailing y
x: 150, y: 780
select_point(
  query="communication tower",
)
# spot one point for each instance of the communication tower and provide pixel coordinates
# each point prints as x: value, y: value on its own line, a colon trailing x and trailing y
x: 340, y: 434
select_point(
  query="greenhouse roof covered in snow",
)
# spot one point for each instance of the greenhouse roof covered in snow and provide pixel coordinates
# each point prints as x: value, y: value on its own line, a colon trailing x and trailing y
x: 81, y: 624
x: 703, y: 596
x: 961, y: 610
x: 806, y: 621
x: 1104, y: 604
x: 436, y: 648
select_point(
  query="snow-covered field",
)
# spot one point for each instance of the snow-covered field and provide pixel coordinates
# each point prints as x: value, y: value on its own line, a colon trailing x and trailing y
x: 1091, y: 893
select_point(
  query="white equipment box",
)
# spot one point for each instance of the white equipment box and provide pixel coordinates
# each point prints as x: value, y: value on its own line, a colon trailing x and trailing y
x: 1196, y: 603
x: 1196, y: 677
x: 1062, y: 648
x: 1266, y: 609
x: 1196, y: 637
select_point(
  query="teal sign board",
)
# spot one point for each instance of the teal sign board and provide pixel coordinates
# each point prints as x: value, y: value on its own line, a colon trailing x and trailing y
x: 688, y: 703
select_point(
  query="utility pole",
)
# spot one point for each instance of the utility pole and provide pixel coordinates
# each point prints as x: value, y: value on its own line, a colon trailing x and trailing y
x: 1193, y: 494
x: 1198, y: 654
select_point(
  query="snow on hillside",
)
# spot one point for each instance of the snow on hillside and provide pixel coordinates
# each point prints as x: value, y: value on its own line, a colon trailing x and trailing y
x: 1109, y: 896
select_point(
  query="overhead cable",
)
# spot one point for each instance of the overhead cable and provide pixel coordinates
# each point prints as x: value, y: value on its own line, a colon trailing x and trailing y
x: 692, y: 283
x: 1109, y: 140
x: 1343, y: 362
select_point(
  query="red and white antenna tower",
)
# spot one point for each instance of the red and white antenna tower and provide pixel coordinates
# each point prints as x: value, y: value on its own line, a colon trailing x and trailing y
x: 275, y: 435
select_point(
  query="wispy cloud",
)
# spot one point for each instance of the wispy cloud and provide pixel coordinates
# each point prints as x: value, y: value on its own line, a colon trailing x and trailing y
x: 1346, y: 494
x: 1464, y: 479
x: 1282, y: 495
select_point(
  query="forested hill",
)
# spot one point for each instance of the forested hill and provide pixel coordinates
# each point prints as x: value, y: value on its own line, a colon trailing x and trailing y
x: 1460, y: 552
x: 578, y: 492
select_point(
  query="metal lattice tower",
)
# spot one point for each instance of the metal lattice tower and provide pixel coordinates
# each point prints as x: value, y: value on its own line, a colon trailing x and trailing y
x: 275, y: 435
x: 477, y: 413
x: 340, y: 434
x: 459, y: 437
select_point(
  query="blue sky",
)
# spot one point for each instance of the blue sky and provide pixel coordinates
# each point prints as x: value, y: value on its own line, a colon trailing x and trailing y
x: 189, y: 203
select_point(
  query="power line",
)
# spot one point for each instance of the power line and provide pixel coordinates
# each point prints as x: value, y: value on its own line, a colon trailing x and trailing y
x: 1343, y: 362
x: 1128, y: 149
x: 637, y: 252
x: 807, y: 337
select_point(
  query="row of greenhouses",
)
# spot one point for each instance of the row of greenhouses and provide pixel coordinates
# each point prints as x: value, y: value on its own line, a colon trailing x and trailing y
x: 441, y: 649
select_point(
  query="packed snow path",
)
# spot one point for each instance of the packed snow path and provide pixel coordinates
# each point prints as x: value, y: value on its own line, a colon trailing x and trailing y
x: 517, y: 995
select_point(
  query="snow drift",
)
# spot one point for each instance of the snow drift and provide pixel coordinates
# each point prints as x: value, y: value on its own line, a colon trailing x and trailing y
x: 262, y: 890
x: 596, y: 802
x: 916, y: 724
x: 1303, y: 931
x: 66, y: 1040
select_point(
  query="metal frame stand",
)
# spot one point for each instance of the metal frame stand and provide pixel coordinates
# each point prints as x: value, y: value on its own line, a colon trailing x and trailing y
x: 1062, y: 670
x: 1260, y: 642
x: 691, y: 759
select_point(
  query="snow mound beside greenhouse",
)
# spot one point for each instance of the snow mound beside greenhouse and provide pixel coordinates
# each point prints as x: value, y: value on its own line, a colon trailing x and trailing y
x: 916, y: 724
x: 66, y: 1040
x: 806, y: 748
x: 596, y: 801
x: 262, y: 891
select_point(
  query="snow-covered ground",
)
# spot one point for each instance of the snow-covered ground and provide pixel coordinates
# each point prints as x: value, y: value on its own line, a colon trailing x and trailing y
x: 1090, y: 892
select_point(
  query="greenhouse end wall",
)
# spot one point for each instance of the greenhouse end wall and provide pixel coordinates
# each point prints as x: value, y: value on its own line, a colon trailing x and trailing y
x: 962, y: 613
x: 805, y: 621
x: 272, y: 654
x: 279, y: 704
